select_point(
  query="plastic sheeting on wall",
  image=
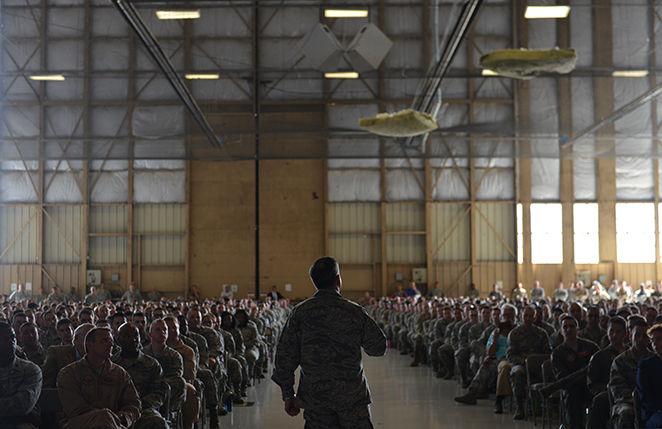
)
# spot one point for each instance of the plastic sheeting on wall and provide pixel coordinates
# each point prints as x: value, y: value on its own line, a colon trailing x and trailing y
x: 634, y: 179
x: 110, y: 187
x: 585, y: 179
x: 154, y: 122
x: 63, y: 188
x: 403, y: 185
x: 630, y: 42
x: 545, y: 179
x: 165, y: 164
x: 159, y: 187
x: 165, y: 148
x: 354, y: 185
x: 450, y: 186
x: 16, y: 187
x: 497, y: 184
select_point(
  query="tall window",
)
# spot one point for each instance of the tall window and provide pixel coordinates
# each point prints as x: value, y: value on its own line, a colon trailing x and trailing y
x: 546, y: 234
x: 635, y: 232
x: 587, y: 242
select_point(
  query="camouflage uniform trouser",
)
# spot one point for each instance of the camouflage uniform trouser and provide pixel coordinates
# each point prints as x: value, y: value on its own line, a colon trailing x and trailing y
x: 235, y: 373
x: 598, y: 414
x: 518, y: 382
x: 477, y: 350
x: 484, y: 378
x: 150, y: 419
x: 446, y: 356
x: 177, y: 391
x: 433, y: 352
x: 462, y: 361
x: 622, y: 416
x: 211, y: 386
x: 354, y: 418
x: 403, y: 340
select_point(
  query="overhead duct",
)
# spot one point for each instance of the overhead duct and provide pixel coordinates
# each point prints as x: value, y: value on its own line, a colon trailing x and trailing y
x: 152, y: 45
x: 427, y: 101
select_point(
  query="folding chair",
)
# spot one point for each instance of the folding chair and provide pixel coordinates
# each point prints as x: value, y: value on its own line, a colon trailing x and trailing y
x: 636, y: 401
x: 533, y: 378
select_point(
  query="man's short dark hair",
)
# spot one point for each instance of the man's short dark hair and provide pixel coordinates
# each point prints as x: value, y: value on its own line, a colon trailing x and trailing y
x: 27, y: 324
x: 64, y: 321
x: 91, y: 336
x: 18, y: 314
x: 6, y: 326
x: 116, y: 315
x: 324, y: 271
x: 618, y: 320
x: 569, y: 317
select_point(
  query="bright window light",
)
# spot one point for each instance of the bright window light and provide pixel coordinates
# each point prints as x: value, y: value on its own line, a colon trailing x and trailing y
x: 587, y: 239
x: 201, y: 76
x: 520, y: 235
x: 630, y: 73
x: 51, y: 77
x: 539, y: 12
x: 347, y: 13
x: 341, y: 75
x: 546, y: 234
x: 178, y: 14
x: 635, y: 232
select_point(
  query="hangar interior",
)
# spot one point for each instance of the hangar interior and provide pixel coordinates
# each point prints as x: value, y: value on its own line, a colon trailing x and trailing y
x: 263, y: 168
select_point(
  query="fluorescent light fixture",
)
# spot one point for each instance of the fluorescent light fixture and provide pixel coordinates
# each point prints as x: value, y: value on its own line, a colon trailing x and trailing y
x: 178, y: 14
x: 341, y: 75
x: 537, y: 12
x: 630, y: 73
x: 488, y: 72
x: 201, y: 76
x: 346, y: 13
x: 55, y: 77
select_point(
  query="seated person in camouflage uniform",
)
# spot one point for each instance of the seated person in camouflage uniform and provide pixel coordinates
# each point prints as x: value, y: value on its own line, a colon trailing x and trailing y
x: 524, y: 340
x: 146, y: 374
x: 20, y: 382
x: 94, y: 391
x: 32, y: 349
x: 495, y: 366
x: 649, y: 379
x: 57, y: 357
x: 623, y: 376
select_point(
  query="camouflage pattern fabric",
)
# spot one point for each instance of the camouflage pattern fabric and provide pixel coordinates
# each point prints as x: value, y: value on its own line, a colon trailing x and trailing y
x: 622, y: 382
x: 324, y: 335
x: 20, y: 387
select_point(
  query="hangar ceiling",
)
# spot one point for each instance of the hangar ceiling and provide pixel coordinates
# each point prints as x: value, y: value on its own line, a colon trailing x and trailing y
x: 268, y: 102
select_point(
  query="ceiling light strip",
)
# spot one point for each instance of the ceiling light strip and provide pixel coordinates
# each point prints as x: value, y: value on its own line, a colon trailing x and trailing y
x: 341, y: 75
x: 346, y: 13
x: 201, y: 76
x: 178, y: 14
x: 542, y: 12
x: 630, y: 73
x: 48, y: 77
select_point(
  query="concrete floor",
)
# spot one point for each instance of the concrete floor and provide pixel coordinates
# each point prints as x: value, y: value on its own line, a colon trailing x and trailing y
x: 403, y: 397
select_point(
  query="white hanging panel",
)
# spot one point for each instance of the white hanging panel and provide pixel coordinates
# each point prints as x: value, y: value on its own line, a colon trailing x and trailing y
x: 545, y: 179
x: 585, y: 179
x: 153, y: 122
x: 630, y: 40
x: 110, y: 187
x: 63, y: 187
x: 18, y: 187
x: 495, y: 184
x: 450, y: 186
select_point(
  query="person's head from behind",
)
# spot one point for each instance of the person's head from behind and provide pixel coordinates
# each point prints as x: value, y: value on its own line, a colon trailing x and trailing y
x: 7, y: 341
x: 325, y: 273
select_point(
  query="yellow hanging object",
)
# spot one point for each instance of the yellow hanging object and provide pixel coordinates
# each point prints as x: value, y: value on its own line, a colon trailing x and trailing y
x: 529, y: 63
x: 405, y: 123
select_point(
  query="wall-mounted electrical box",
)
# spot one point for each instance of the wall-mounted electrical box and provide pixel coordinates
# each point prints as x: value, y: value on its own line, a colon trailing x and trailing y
x: 93, y: 277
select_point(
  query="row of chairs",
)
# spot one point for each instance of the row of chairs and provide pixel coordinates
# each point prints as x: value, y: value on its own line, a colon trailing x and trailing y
x: 539, y: 374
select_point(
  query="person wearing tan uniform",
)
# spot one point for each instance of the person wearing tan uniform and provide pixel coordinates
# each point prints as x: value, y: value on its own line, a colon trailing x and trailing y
x: 96, y: 392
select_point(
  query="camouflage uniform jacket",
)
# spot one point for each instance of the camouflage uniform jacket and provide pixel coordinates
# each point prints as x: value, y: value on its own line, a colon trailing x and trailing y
x: 38, y: 356
x: 623, y: 376
x: 171, y: 362
x: 20, y: 387
x: 324, y: 335
x: 190, y: 343
x: 448, y: 333
x: 455, y: 336
x: 537, y: 294
x: 485, y: 335
x: 595, y: 336
x: 476, y: 331
x: 463, y: 334
x: 47, y: 339
x: 230, y: 345
x: 154, y: 296
x: 523, y: 342
x: 188, y: 359
x: 214, y: 341
x: 599, y: 368
x: 439, y: 328
x: 147, y: 377
x: 132, y: 297
x: 103, y: 295
x: 203, y: 348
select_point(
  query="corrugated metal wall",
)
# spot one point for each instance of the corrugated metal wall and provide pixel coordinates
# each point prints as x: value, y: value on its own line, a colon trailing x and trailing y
x: 352, y: 232
x: 456, y: 245
x: 405, y: 217
x: 501, y: 217
x: 62, y: 235
x: 107, y: 219
x: 107, y: 250
x: 13, y: 219
x: 159, y: 218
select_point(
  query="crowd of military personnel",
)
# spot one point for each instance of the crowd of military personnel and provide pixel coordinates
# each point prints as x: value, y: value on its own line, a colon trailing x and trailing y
x: 145, y: 364
x: 595, y: 339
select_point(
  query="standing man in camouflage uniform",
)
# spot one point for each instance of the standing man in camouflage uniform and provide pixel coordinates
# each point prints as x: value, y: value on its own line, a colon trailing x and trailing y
x: 324, y: 335
x: 132, y: 295
x: 525, y: 340
x: 623, y: 377
x: 20, y: 381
